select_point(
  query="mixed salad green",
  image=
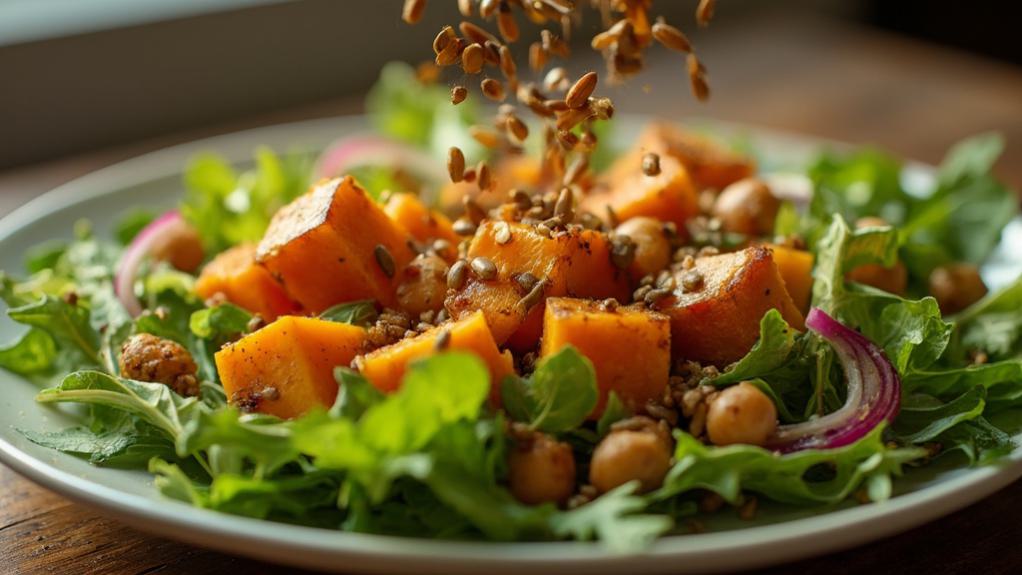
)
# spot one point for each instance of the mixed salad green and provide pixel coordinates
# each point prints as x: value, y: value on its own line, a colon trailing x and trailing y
x: 429, y: 460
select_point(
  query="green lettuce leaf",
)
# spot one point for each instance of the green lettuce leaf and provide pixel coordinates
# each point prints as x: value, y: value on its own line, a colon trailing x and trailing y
x: 558, y: 396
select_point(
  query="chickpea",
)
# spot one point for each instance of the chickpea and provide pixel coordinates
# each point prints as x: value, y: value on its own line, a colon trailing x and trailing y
x: 424, y: 285
x: 541, y: 470
x: 145, y: 357
x: 180, y: 246
x: 956, y: 286
x: 629, y: 455
x: 747, y: 207
x: 741, y: 414
x: 652, y: 248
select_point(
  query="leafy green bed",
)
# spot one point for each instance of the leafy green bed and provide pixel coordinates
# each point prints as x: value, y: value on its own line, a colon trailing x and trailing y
x: 428, y: 461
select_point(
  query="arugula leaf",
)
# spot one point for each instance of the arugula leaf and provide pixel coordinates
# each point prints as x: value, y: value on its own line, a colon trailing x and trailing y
x: 31, y: 355
x: 227, y: 207
x: 615, y: 518
x: 68, y: 325
x: 154, y: 403
x: 922, y: 418
x: 771, y: 351
x: 727, y: 471
x: 979, y: 440
x: 992, y: 325
x: 361, y: 313
x: 129, y: 446
x: 558, y: 396
x: 220, y: 323
x: 615, y: 411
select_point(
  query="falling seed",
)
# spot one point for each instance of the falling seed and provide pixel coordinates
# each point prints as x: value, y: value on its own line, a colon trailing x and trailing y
x: 493, y: 89
x: 449, y: 54
x: 413, y: 10
x: 472, y: 59
x: 537, y: 56
x: 465, y: 7
x: 456, y: 164
x: 578, y: 94
x: 473, y: 211
x: 443, y: 38
x: 485, y: 180
x: 517, y: 128
x: 476, y: 34
x: 704, y: 12
x: 670, y: 37
x: 650, y: 164
x: 506, y: 23
x: 458, y: 94
x: 507, y: 63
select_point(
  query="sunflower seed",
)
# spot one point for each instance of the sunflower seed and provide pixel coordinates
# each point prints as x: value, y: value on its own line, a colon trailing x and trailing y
x: 463, y: 227
x: 502, y: 233
x: 483, y: 268
x: 456, y: 164
x: 384, y: 260
x: 472, y: 59
x: 578, y: 94
x: 457, y: 275
x: 650, y: 164
x: 493, y: 89
x: 670, y: 36
x: 412, y: 11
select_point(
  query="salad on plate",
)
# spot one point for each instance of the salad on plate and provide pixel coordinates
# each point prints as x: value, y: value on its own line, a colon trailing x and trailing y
x: 470, y: 329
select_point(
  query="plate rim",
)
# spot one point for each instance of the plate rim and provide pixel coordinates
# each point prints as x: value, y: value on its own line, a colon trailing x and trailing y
x: 759, y: 545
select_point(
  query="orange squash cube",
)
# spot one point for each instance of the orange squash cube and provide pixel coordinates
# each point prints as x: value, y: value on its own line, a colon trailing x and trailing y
x: 796, y: 269
x: 574, y: 264
x: 709, y: 164
x: 235, y: 274
x: 326, y: 247
x: 386, y: 366
x: 718, y: 323
x: 668, y: 196
x: 287, y: 368
x: 630, y: 347
x: 417, y: 220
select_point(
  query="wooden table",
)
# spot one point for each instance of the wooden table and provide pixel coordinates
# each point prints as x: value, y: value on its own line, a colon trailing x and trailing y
x: 813, y: 77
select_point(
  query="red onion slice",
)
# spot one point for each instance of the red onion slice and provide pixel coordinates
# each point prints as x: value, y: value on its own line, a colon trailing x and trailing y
x: 874, y: 392
x: 356, y: 151
x: 135, y: 254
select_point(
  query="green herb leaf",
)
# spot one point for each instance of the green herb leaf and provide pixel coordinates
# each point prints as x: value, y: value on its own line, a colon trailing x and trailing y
x: 616, y: 519
x: 558, y: 396
x: 361, y: 313
x: 775, y: 343
x: 615, y: 411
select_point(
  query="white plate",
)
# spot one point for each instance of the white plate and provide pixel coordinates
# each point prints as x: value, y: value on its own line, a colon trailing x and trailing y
x: 778, y: 534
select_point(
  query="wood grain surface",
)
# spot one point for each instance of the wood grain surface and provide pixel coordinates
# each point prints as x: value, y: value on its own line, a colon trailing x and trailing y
x: 811, y: 76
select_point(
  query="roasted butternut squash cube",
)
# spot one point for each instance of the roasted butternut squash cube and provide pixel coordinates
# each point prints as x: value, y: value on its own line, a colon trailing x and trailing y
x: 796, y: 269
x: 417, y: 220
x: 287, y: 368
x: 386, y: 366
x: 668, y: 196
x: 575, y: 263
x: 629, y: 346
x: 522, y: 171
x: 718, y: 322
x: 709, y: 164
x: 328, y: 247
x: 235, y: 274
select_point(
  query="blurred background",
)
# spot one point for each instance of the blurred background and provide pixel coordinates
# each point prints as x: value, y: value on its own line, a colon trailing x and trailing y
x: 107, y: 79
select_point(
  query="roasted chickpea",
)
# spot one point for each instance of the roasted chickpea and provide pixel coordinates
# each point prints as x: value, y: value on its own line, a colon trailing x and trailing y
x: 652, y: 247
x: 180, y: 246
x: 747, y: 207
x: 741, y: 414
x: 423, y: 285
x: 145, y: 357
x: 628, y: 455
x: 541, y: 470
x: 956, y: 286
